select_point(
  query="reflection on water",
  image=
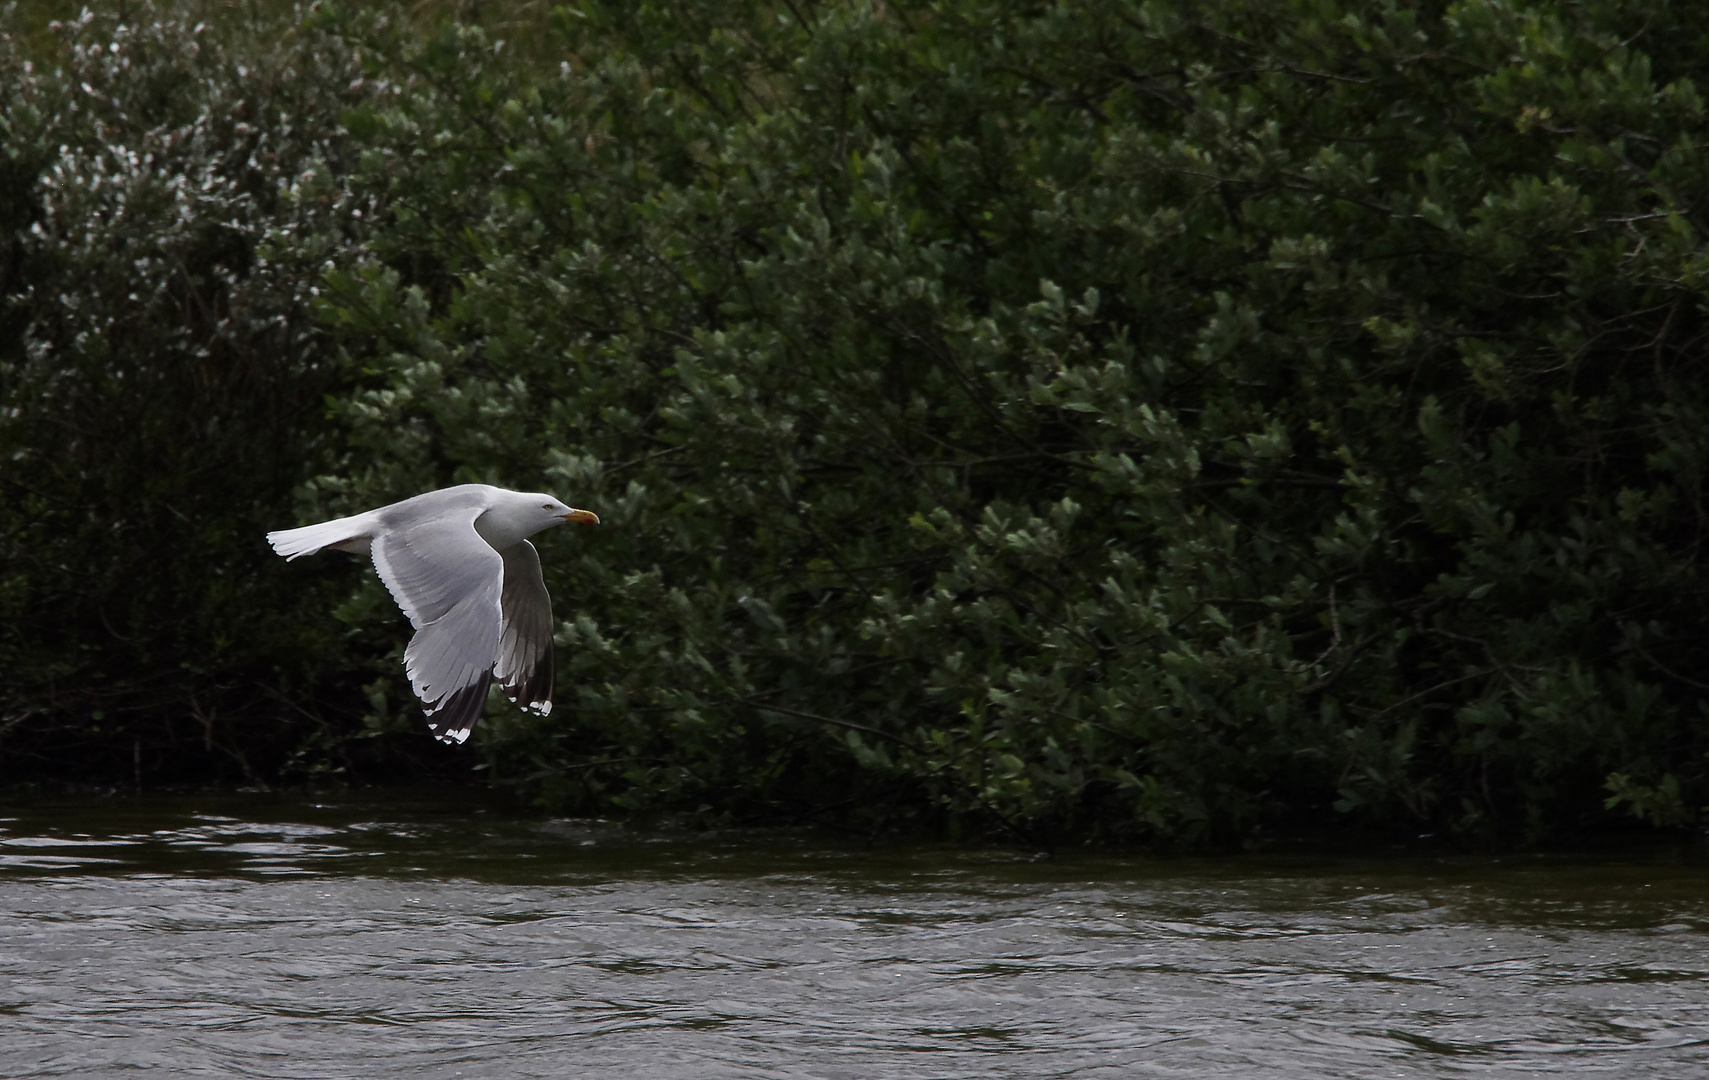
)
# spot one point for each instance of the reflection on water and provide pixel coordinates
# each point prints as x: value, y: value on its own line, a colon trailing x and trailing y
x: 375, y: 939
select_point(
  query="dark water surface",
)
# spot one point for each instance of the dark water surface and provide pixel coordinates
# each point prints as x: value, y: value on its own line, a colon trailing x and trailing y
x: 375, y: 937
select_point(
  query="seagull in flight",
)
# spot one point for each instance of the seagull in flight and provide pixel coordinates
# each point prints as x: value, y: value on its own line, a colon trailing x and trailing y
x: 459, y: 564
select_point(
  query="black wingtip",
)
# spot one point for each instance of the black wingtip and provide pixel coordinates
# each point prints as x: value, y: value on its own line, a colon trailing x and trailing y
x: 454, y: 716
x: 534, y: 693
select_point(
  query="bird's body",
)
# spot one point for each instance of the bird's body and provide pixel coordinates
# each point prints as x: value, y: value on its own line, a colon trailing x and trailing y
x: 459, y: 564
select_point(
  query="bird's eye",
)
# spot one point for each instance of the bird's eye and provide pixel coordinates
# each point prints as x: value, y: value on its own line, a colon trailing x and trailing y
x: 545, y: 506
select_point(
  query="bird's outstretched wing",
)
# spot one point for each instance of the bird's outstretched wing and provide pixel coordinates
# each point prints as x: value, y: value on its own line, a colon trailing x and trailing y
x: 448, y: 581
x: 524, y: 667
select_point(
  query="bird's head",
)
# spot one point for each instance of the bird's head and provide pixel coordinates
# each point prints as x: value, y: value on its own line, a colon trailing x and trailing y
x: 518, y: 514
x: 556, y: 513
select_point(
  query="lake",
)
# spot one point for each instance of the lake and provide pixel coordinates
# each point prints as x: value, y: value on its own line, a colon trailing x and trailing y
x: 397, y: 935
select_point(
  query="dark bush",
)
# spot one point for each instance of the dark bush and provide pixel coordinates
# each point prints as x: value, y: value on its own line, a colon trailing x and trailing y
x: 1130, y: 421
x: 172, y: 196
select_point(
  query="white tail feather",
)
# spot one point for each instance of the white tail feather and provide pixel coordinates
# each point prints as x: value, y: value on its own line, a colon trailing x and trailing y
x: 340, y: 533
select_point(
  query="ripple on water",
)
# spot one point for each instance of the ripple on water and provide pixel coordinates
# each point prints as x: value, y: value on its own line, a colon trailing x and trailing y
x: 370, y: 940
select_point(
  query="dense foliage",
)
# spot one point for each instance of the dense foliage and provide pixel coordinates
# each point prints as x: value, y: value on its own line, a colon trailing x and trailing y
x: 170, y: 201
x: 1152, y: 421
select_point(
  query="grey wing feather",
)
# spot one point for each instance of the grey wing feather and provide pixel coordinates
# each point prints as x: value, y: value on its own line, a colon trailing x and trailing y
x: 525, y: 667
x: 448, y: 581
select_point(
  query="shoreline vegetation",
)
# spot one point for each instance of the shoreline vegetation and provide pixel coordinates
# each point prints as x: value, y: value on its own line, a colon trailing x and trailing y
x: 1154, y: 423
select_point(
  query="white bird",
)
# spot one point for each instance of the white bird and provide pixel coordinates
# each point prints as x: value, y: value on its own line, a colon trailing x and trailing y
x: 459, y: 564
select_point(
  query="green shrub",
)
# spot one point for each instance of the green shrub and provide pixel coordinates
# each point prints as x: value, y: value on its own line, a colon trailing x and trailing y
x: 1124, y: 420
x: 1130, y: 421
x: 171, y: 195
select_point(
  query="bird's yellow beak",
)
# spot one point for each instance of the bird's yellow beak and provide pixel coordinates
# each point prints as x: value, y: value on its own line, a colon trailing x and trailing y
x: 582, y: 515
